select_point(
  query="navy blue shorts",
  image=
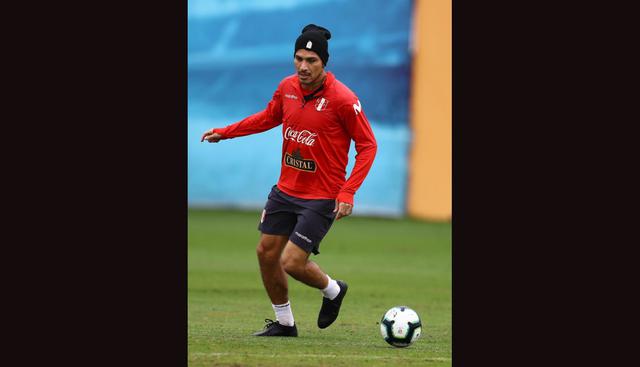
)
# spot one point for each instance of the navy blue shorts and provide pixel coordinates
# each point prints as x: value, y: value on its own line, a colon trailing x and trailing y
x: 305, y: 221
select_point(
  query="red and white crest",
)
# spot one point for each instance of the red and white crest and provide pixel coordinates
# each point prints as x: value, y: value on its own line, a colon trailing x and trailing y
x: 321, y: 104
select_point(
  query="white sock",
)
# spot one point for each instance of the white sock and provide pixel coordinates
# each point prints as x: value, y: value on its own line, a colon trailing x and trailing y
x: 332, y: 289
x: 284, y: 314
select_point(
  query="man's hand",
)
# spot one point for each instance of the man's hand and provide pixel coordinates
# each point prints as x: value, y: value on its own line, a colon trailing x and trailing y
x: 343, y: 209
x: 211, y: 137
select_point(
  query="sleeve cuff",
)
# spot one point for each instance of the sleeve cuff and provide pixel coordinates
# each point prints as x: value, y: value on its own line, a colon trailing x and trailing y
x: 345, y: 197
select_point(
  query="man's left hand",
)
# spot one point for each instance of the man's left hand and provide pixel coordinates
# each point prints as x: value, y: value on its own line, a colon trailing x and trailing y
x: 343, y: 209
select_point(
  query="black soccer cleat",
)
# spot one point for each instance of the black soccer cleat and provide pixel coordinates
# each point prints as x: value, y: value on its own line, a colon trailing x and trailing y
x: 330, y: 308
x: 274, y: 328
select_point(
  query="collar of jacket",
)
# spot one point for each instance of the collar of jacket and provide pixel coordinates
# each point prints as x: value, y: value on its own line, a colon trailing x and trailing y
x: 328, y: 82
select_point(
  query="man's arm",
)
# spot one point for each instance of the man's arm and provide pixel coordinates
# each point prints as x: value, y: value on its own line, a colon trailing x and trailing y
x: 257, y: 123
x: 360, y: 131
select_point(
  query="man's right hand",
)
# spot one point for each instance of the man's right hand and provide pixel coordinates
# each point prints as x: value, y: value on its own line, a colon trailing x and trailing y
x: 211, y: 137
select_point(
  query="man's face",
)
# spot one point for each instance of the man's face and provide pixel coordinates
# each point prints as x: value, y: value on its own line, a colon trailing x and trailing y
x: 308, y: 66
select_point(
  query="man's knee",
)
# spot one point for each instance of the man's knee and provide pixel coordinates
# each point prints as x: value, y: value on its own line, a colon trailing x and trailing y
x: 269, y: 250
x: 293, y: 265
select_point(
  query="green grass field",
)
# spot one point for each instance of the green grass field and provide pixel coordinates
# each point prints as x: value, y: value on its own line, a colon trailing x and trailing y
x: 387, y: 262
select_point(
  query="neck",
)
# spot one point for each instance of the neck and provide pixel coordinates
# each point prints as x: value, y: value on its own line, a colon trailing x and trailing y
x: 317, y: 83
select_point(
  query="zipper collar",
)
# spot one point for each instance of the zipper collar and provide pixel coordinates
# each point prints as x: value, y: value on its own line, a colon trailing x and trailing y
x: 328, y: 81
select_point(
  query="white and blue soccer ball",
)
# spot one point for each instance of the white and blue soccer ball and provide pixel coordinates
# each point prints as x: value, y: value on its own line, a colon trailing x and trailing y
x: 400, y: 326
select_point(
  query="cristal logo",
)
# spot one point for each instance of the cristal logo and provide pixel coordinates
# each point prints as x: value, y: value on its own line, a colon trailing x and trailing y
x: 303, y: 137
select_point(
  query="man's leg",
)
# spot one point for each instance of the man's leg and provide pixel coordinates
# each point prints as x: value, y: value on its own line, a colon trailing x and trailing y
x: 273, y: 276
x: 275, y: 282
x: 295, y: 262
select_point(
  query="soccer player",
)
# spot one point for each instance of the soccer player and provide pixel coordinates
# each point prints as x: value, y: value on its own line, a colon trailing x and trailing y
x: 320, y: 117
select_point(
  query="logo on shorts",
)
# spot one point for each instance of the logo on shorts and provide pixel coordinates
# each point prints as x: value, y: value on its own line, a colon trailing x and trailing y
x: 264, y: 212
x: 296, y: 161
x: 303, y: 237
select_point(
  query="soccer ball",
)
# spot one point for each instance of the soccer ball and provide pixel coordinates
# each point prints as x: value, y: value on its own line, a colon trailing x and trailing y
x: 400, y: 326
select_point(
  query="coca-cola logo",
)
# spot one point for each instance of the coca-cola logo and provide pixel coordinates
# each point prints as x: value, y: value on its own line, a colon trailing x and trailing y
x: 303, y: 137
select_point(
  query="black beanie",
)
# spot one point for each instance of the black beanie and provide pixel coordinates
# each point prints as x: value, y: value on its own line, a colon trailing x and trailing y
x: 314, y: 38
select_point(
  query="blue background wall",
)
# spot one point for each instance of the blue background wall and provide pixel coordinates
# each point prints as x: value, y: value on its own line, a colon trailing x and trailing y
x: 238, y: 53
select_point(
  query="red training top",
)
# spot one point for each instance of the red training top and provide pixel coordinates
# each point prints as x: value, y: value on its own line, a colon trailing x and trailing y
x: 316, y: 138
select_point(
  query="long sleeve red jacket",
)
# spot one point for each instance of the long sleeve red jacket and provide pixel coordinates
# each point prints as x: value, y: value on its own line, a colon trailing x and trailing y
x: 316, y: 137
